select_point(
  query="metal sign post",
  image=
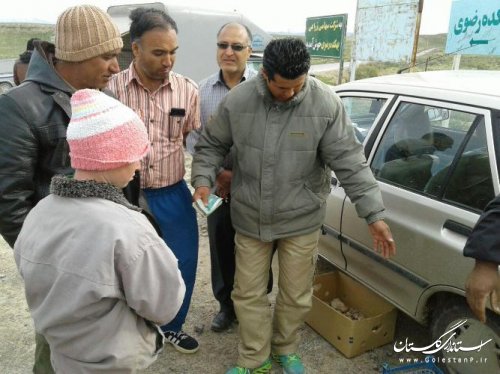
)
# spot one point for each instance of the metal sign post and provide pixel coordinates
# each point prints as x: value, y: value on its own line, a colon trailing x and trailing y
x: 417, y: 34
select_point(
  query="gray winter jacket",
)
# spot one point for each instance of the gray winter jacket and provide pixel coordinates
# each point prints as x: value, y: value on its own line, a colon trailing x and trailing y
x: 97, y: 278
x: 283, y: 156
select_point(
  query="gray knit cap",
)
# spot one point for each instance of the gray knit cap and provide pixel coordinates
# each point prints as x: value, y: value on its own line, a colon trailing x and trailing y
x: 85, y: 31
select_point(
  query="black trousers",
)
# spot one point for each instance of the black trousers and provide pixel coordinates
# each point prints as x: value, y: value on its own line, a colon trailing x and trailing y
x: 221, y: 240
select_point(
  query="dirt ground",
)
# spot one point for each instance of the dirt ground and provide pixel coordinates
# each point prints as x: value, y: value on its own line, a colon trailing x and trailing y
x: 218, y: 351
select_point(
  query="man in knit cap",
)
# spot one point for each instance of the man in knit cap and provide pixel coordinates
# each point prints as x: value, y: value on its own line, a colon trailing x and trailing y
x: 34, y: 117
x: 86, y: 240
x: 168, y: 104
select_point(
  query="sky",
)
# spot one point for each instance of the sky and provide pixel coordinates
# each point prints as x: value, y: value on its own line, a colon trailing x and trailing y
x: 271, y: 15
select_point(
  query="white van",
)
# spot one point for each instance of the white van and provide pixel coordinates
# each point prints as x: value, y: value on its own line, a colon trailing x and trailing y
x: 197, y: 36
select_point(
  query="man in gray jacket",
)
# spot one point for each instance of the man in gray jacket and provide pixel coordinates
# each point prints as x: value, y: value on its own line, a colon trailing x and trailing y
x: 287, y: 131
x: 98, y: 279
x: 34, y: 117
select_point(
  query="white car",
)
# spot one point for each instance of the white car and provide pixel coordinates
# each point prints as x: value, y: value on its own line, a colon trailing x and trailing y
x: 433, y: 143
x: 6, y: 82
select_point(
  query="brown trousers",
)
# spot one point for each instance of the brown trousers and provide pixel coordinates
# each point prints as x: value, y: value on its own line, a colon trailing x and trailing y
x: 259, y: 332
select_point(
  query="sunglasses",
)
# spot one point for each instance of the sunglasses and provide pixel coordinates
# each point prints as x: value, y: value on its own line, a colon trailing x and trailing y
x: 234, y: 47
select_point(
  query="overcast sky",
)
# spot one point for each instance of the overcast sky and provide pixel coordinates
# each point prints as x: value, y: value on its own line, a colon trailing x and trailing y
x: 271, y: 15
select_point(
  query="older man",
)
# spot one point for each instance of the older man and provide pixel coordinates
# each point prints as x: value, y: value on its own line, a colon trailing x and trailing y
x: 35, y: 115
x: 234, y: 47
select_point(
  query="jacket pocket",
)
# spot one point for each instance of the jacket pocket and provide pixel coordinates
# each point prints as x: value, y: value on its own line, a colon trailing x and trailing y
x: 55, y: 149
x: 316, y: 198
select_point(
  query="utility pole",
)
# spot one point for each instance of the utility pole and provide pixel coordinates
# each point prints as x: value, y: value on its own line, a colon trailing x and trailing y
x: 417, y: 34
x: 352, y: 65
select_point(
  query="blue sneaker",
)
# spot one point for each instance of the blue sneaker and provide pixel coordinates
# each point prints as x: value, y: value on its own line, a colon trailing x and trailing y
x: 291, y: 364
x: 265, y: 368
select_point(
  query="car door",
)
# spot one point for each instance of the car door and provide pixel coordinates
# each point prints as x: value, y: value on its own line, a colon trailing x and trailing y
x: 433, y: 196
x: 365, y: 110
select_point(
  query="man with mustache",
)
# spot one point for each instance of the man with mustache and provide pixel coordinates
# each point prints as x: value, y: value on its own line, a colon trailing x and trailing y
x: 168, y: 105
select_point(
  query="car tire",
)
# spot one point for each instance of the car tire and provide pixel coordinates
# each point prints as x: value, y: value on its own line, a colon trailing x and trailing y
x: 4, y: 87
x: 449, y: 312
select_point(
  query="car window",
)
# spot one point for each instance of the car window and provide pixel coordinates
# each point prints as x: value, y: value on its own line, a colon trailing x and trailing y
x: 468, y: 181
x: 362, y: 111
x: 437, y: 152
x: 255, y: 62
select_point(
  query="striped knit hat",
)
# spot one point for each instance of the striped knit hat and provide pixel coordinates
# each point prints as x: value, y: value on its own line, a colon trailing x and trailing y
x: 103, y: 133
x: 84, y: 32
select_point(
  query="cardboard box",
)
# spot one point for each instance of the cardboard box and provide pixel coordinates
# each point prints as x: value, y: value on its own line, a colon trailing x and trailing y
x: 351, y: 337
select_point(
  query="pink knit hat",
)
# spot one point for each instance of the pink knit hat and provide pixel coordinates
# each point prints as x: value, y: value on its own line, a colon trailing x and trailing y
x: 103, y: 133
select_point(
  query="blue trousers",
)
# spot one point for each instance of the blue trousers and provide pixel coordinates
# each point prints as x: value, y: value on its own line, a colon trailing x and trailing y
x: 172, y: 209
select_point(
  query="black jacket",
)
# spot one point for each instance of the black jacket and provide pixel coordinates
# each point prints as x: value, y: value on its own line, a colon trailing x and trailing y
x: 33, y: 148
x: 33, y: 121
x: 484, y: 241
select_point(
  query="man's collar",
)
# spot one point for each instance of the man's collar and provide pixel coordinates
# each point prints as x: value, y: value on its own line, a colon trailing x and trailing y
x: 220, y: 77
x: 132, y: 75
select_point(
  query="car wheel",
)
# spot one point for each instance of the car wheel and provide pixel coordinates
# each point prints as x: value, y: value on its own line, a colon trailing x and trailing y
x: 456, y: 327
x: 4, y: 87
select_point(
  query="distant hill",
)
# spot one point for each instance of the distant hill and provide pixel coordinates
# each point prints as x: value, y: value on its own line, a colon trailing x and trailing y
x: 430, y: 56
x: 432, y: 41
x: 13, y: 37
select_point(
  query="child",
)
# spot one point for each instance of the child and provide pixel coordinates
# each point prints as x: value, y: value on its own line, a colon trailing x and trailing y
x: 93, y: 266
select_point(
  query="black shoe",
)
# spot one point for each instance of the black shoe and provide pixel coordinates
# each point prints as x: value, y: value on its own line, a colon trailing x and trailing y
x: 222, y: 321
x: 181, y: 341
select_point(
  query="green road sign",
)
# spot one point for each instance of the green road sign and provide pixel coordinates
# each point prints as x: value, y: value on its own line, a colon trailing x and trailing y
x: 325, y: 35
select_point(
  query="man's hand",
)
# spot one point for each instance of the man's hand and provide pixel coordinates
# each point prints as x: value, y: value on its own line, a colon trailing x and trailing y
x: 201, y: 193
x: 382, y: 238
x: 482, y: 282
x: 223, y: 183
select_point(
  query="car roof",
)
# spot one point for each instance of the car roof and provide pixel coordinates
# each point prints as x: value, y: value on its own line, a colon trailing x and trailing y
x: 477, y: 87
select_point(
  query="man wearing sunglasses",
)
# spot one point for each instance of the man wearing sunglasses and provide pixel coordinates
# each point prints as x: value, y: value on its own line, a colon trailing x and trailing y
x: 234, y: 42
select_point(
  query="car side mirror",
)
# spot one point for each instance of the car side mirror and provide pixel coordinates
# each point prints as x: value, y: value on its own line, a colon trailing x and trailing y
x: 438, y: 114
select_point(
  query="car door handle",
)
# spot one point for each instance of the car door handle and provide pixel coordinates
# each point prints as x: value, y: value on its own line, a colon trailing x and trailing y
x: 457, y: 227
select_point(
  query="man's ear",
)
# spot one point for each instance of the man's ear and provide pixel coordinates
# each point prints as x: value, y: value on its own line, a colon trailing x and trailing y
x: 135, y: 49
x: 264, y: 74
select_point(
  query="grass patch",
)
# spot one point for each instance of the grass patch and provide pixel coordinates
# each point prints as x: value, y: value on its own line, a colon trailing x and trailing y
x: 13, y: 37
x: 434, y: 60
